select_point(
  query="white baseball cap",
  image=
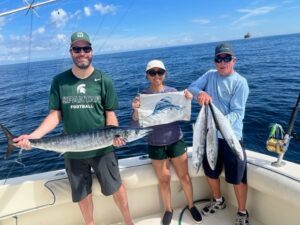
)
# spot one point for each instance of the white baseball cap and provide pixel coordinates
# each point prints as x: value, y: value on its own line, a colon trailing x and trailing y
x: 155, y: 63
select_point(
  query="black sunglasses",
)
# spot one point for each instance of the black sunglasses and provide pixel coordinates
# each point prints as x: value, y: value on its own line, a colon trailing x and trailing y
x: 152, y: 73
x: 226, y: 59
x: 86, y: 49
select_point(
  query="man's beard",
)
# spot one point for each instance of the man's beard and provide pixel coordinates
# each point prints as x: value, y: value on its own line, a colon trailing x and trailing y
x: 84, y: 65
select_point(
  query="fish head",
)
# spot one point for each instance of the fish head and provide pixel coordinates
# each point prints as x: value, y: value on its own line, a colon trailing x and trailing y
x: 132, y: 134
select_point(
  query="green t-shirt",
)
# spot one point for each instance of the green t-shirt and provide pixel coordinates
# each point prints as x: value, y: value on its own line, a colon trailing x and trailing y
x: 83, y: 103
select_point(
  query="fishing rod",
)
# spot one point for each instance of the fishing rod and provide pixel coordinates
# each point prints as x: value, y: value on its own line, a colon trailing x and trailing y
x: 29, y: 6
x: 279, y: 141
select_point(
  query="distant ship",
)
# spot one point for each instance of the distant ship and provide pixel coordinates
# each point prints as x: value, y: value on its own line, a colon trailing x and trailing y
x: 247, y: 35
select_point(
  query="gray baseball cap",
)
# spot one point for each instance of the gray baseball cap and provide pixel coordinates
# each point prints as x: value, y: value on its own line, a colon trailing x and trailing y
x: 223, y: 48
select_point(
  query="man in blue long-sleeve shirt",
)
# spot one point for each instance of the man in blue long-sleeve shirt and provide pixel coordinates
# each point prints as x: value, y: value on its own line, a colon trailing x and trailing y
x: 229, y: 91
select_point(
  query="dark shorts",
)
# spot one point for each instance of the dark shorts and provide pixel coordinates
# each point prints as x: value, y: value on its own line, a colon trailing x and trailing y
x: 235, y: 169
x: 167, y: 151
x: 80, y: 176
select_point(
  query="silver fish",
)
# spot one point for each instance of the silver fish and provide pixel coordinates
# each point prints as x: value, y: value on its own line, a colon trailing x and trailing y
x: 211, y: 141
x: 227, y: 132
x: 199, y: 138
x: 80, y: 142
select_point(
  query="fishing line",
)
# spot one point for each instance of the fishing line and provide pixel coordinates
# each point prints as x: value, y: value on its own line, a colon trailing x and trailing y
x: 65, y: 60
x: 25, y: 94
x: 19, y: 159
x: 116, y: 25
x: 16, y: 161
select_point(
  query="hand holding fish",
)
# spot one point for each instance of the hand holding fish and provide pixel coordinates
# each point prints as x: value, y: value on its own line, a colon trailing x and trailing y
x: 118, y: 142
x: 187, y: 94
x: 203, y: 98
x: 23, y: 142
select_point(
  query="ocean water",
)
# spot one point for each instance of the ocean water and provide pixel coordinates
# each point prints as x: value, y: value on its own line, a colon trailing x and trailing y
x: 270, y: 64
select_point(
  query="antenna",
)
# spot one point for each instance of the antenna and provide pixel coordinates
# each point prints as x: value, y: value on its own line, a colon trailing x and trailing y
x: 29, y: 6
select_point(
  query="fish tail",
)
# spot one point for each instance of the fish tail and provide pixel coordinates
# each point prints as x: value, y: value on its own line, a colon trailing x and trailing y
x: 10, y: 143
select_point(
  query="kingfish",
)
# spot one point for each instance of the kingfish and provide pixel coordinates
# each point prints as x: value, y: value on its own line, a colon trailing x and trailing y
x: 79, y: 142
x: 211, y: 141
x: 199, y: 138
x: 227, y: 132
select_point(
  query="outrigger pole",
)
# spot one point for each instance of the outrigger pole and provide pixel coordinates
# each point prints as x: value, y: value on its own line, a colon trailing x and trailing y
x: 288, y: 135
x: 31, y: 6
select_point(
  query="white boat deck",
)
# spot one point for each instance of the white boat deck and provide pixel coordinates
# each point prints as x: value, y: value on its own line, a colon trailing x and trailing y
x: 273, y: 196
x: 222, y: 217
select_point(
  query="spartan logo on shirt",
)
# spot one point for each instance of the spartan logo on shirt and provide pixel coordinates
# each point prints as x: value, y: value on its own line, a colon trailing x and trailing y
x: 81, y: 100
x: 81, y: 89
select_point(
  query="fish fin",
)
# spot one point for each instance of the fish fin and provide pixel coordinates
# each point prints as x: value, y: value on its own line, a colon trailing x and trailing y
x: 10, y: 143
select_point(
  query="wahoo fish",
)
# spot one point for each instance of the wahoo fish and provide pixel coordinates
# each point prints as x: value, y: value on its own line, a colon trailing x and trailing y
x: 199, y: 138
x: 211, y: 141
x: 227, y: 132
x: 79, y: 142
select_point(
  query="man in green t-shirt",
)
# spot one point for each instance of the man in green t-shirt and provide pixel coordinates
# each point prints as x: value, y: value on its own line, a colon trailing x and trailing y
x: 84, y: 99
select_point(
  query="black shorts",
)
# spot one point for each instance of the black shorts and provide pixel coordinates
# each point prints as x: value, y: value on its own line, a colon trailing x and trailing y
x: 235, y: 169
x: 80, y: 176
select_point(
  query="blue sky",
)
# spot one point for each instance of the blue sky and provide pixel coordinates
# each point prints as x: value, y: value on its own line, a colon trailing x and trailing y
x: 126, y: 25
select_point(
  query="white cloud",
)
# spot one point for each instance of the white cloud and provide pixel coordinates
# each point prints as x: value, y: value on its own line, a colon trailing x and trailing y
x: 16, y: 49
x: 105, y: 9
x: 61, y: 38
x: 40, y: 30
x: 18, y: 38
x: 201, y: 21
x: 87, y: 11
x: 76, y: 15
x: 187, y: 40
x: 39, y: 48
x: 255, y: 12
x: 116, y: 44
x: 1, y: 38
x: 59, y: 17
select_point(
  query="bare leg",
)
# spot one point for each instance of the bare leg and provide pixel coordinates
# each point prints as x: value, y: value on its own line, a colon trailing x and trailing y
x: 181, y: 167
x: 162, y: 170
x: 120, y: 198
x: 241, y: 195
x: 215, y: 187
x: 86, y: 206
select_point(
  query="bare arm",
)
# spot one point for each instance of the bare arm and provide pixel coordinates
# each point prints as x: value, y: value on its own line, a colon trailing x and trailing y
x: 49, y: 123
x: 111, y: 119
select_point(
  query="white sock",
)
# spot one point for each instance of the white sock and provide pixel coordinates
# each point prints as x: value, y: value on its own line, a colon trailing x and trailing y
x: 219, y: 199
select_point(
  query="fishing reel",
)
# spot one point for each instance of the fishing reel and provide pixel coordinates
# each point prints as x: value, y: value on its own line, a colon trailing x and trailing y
x: 279, y: 140
x: 276, y: 141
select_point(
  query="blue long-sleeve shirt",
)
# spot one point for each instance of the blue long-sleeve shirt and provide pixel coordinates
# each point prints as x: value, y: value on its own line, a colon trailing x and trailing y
x: 229, y: 94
